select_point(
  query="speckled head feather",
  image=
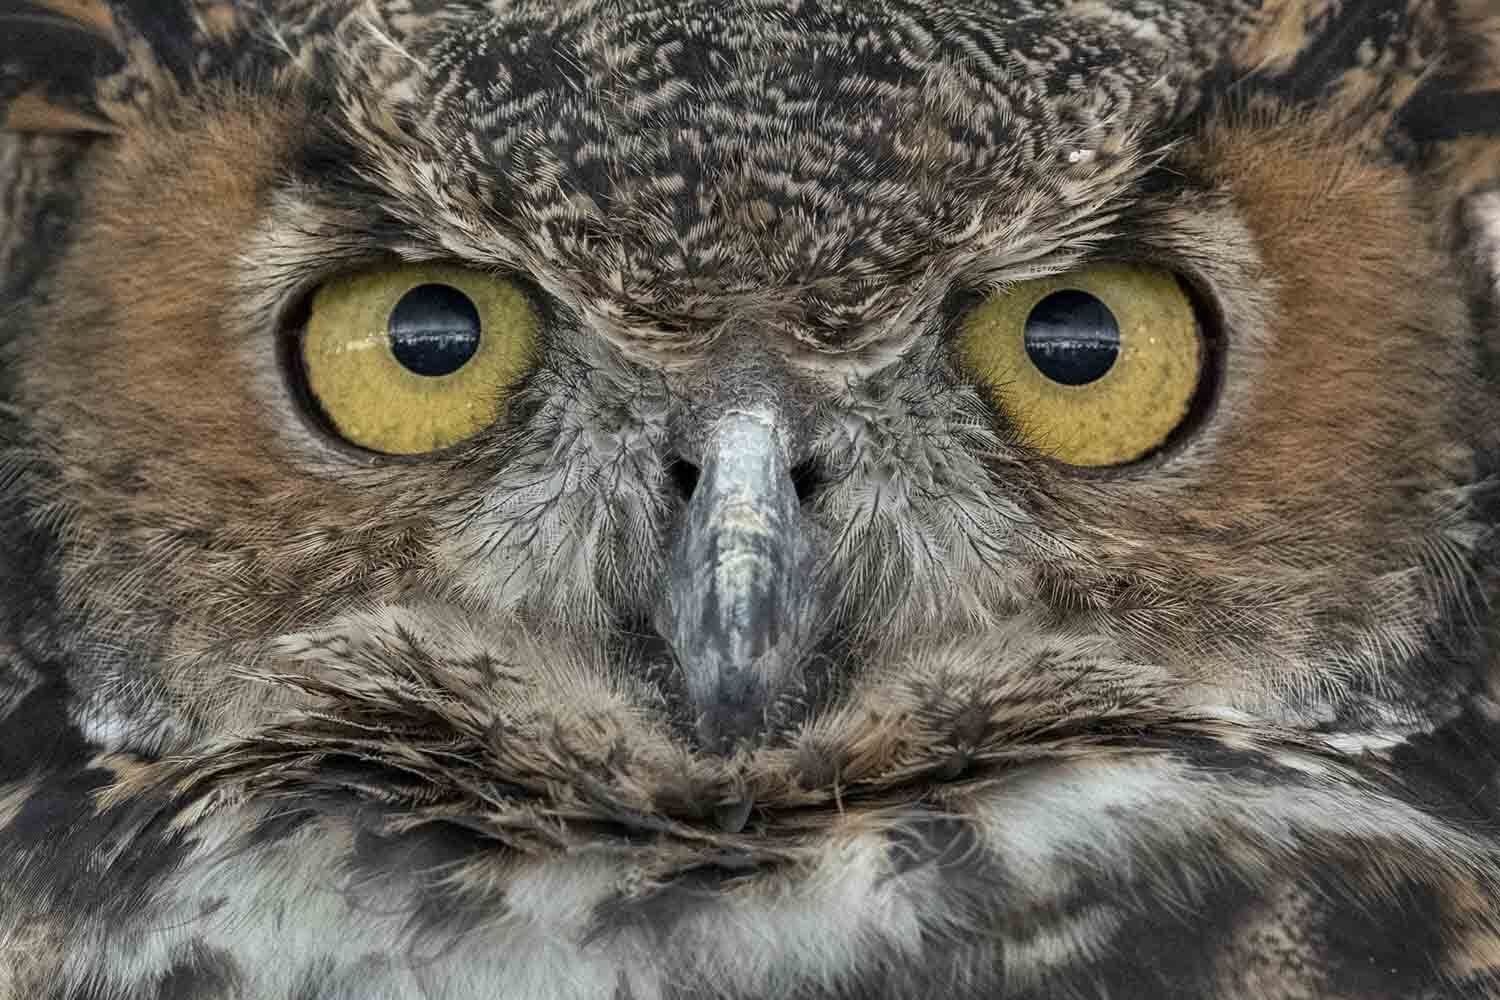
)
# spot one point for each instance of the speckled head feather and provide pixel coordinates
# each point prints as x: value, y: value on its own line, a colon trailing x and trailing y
x: 285, y: 718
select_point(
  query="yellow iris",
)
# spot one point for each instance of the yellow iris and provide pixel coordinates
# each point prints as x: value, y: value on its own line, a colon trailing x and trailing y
x: 1125, y: 412
x: 368, y: 388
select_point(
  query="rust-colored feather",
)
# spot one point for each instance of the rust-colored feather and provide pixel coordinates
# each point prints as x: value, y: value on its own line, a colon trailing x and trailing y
x: 52, y: 53
x: 33, y: 111
x: 93, y: 15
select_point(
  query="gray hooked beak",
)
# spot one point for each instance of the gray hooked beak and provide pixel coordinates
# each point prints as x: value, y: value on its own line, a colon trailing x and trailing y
x: 739, y: 598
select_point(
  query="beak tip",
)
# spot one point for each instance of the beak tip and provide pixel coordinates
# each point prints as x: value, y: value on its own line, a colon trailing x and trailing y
x: 731, y: 817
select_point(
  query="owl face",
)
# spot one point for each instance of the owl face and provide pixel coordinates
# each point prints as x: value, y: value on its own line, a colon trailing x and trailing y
x: 877, y: 497
x: 756, y: 384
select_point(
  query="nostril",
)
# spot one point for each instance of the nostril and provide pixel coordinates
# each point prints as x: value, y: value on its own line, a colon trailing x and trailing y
x: 805, y: 480
x: 684, y: 475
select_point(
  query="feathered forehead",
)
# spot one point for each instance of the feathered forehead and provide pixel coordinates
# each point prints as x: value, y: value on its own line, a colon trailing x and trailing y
x: 672, y: 159
x: 474, y: 57
x: 685, y: 154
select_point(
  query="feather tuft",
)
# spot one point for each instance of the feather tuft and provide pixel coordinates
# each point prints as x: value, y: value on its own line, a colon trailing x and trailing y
x: 90, y: 15
x: 33, y: 111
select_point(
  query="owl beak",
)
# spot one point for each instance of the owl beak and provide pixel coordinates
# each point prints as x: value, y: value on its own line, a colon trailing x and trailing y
x: 739, y: 598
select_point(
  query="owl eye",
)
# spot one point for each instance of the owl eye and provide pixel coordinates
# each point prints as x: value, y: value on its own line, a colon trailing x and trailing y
x: 412, y: 359
x: 1096, y: 368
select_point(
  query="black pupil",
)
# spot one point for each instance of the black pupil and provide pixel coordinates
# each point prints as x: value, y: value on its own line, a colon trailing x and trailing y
x: 1072, y: 337
x: 434, y: 330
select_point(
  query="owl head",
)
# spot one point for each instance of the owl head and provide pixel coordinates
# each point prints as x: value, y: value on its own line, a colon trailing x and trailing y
x: 719, y: 421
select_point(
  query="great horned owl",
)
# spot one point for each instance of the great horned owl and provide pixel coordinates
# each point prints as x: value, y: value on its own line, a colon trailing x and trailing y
x: 749, y: 498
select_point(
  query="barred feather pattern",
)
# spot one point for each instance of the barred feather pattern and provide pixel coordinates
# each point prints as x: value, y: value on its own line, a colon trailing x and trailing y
x: 416, y: 822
